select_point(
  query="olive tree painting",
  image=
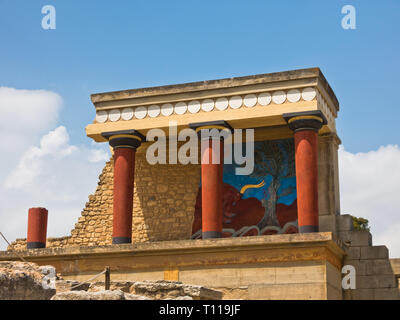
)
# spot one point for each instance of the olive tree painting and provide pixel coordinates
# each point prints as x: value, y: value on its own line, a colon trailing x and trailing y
x: 263, y: 202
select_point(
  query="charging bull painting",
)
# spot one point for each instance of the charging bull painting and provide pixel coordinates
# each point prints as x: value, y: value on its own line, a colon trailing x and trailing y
x: 263, y: 202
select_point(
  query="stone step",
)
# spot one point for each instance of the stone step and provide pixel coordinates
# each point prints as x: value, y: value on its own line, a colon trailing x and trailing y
x: 359, y: 238
x: 370, y: 267
x: 344, y: 222
x: 376, y: 281
x: 372, y: 294
x: 367, y: 253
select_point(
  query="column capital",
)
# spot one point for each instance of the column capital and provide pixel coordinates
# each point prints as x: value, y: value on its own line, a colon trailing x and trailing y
x: 124, y: 138
x: 308, y: 120
x: 220, y: 125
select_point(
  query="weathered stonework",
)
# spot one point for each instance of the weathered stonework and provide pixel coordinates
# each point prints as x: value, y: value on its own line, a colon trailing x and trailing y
x: 164, y: 201
x: 23, y: 281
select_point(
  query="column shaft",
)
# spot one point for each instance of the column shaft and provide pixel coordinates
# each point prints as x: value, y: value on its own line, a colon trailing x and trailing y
x: 306, y: 158
x: 124, y: 169
x: 37, y: 228
x: 211, y: 188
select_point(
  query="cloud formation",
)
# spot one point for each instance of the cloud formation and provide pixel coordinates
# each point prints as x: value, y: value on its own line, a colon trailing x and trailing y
x: 54, y: 145
x: 46, y: 169
x: 26, y: 114
x: 369, y: 187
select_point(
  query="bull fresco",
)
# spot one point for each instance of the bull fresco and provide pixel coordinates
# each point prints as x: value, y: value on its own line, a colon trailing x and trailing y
x: 264, y: 202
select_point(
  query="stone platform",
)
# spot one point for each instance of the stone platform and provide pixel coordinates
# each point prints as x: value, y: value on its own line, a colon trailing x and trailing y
x: 290, y: 266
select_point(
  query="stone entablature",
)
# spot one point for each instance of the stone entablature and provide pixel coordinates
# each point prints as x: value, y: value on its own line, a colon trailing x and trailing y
x: 246, y: 102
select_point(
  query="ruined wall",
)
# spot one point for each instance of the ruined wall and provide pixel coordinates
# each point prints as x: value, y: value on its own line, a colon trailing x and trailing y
x: 375, y: 276
x: 164, y: 202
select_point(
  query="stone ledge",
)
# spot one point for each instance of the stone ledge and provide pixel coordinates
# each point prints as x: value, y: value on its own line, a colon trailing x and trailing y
x: 182, y: 246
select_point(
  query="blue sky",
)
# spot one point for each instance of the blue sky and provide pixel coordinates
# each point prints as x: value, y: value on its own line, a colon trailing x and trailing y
x: 111, y: 45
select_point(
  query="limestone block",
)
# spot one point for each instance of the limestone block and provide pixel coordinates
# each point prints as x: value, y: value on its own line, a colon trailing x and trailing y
x: 360, y: 266
x: 375, y: 252
x: 295, y: 291
x: 353, y: 252
x: 356, y: 237
x: 372, y: 294
x: 387, y: 294
x: 359, y: 294
x: 83, y: 295
x: 375, y: 281
x: 130, y: 296
x: 344, y: 222
x: 378, y: 266
x: 163, y: 289
x: 327, y: 223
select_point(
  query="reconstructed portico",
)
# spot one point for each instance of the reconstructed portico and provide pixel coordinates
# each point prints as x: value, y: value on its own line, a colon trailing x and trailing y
x: 297, y: 105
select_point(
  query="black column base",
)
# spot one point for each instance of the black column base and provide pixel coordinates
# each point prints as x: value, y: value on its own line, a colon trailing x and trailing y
x: 121, y: 240
x: 211, y: 234
x: 35, y: 245
x: 308, y: 229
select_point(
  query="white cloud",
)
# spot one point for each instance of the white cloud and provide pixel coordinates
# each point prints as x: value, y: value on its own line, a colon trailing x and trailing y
x: 54, y: 145
x: 369, y: 187
x: 46, y: 169
x: 26, y: 114
x: 98, y: 155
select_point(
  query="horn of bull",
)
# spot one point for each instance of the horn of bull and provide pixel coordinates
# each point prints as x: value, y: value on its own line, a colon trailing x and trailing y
x: 251, y: 186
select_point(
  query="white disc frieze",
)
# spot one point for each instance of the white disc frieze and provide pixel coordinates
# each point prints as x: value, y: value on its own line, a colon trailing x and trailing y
x: 250, y: 100
x: 180, y: 108
x: 114, y: 115
x: 293, y: 95
x: 194, y: 106
x: 279, y: 97
x: 308, y: 94
x: 101, y: 116
x: 264, y: 98
x: 167, y: 109
x: 140, y: 112
x: 154, y: 111
x: 207, y: 105
x: 235, y: 102
x: 221, y: 103
x: 127, y: 114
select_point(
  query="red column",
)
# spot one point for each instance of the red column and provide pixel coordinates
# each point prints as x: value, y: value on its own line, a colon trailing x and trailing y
x: 211, y: 187
x: 306, y: 157
x: 306, y: 126
x: 124, y: 144
x: 37, y: 228
x: 124, y: 169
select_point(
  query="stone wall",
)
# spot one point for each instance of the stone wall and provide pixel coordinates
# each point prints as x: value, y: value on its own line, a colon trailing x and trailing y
x: 164, y: 201
x: 375, y: 277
